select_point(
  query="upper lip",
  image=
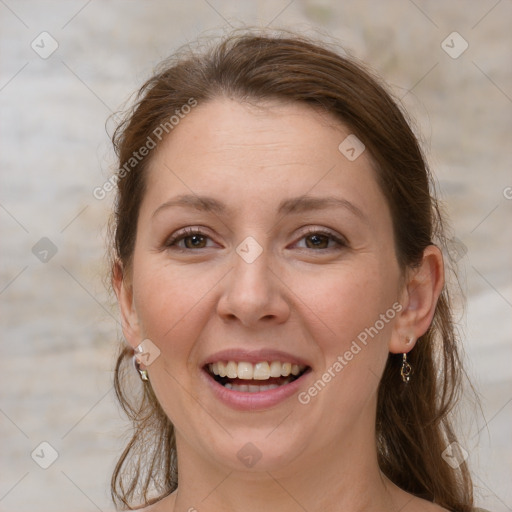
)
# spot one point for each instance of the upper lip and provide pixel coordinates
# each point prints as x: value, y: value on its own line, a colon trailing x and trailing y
x: 254, y: 356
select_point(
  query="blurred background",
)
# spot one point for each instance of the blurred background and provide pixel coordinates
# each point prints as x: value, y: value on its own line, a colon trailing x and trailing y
x: 66, y: 66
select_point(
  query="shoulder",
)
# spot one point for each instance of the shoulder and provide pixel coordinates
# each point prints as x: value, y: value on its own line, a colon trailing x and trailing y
x: 155, y: 507
x: 163, y: 505
x: 428, y: 506
x: 415, y: 504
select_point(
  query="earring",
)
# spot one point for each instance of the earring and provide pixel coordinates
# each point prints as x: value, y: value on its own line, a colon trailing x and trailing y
x: 406, y: 369
x: 143, y: 373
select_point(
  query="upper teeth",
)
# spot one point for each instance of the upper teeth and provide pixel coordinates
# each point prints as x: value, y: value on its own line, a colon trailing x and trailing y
x: 259, y: 371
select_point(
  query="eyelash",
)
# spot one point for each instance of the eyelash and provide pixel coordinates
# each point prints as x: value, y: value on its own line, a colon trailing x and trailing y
x: 189, y: 232
x: 186, y: 233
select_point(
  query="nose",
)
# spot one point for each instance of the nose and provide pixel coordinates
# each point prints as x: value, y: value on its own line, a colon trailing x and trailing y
x: 253, y: 294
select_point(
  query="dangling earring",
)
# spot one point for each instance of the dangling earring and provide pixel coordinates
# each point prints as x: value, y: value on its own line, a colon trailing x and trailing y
x: 142, y: 373
x: 406, y: 369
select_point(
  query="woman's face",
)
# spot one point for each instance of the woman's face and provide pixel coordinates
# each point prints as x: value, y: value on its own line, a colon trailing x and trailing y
x: 263, y: 249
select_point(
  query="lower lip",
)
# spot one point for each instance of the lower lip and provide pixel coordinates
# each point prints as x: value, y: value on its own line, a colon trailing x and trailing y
x: 245, y: 401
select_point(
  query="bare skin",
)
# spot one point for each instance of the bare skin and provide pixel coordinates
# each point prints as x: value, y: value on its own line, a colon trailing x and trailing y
x: 323, y: 276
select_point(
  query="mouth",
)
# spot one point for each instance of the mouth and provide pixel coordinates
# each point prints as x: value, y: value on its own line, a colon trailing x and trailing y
x: 246, y: 377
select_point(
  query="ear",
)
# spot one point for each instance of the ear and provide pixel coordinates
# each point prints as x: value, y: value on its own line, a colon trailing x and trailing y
x: 420, y: 293
x: 124, y: 292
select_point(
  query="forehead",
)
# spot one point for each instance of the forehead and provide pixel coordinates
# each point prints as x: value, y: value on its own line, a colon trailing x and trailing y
x: 255, y: 154
x: 270, y: 132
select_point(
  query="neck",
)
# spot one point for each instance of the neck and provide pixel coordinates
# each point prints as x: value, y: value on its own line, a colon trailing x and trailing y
x: 342, y: 476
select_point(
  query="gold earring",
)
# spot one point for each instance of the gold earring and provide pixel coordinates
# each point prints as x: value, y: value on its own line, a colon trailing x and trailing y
x: 142, y: 373
x: 406, y: 369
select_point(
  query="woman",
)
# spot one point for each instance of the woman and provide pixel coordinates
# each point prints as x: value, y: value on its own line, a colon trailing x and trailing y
x: 278, y: 269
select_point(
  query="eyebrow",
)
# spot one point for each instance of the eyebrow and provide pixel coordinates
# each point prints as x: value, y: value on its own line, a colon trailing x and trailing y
x: 288, y: 206
x: 202, y: 203
x: 304, y: 203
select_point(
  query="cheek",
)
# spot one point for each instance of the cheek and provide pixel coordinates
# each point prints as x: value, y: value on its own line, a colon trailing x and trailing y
x: 345, y: 302
x: 167, y: 300
x: 174, y: 303
x: 350, y: 316
x: 343, y: 311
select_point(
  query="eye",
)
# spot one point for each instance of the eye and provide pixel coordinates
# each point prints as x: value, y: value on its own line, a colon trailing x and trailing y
x: 322, y: 240
x: 190, y: 238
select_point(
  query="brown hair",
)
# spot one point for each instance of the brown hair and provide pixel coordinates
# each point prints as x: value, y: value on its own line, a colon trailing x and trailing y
x: 413, y: 425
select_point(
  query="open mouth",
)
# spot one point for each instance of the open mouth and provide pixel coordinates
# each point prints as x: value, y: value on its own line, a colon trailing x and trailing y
x: 254, y: 378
